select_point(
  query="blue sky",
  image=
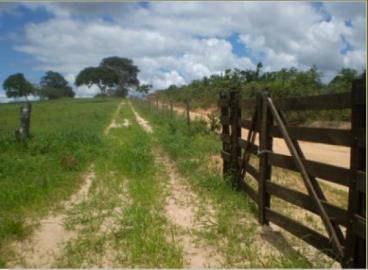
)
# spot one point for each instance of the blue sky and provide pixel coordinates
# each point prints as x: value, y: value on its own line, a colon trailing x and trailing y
x: 181, y: 41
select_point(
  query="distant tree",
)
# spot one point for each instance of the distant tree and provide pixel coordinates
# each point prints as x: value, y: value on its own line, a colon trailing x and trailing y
x: 144, y: 88
x: 114, y: 76
x: 16, y: 85
x: 101, y: 77
x: 342, y: 81
x: 345, y: 75
x: 53, y: 86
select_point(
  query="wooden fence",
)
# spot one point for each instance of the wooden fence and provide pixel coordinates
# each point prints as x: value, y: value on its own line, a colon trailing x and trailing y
x: 268, y: 120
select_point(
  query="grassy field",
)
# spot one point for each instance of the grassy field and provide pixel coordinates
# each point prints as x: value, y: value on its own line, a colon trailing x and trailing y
x: 36, y: 175
x: 124, y: 219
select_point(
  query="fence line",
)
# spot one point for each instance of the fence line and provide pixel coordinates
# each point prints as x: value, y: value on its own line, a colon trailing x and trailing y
x: 269, y: 122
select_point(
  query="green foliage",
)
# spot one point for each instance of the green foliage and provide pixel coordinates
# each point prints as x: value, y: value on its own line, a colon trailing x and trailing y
x: 127, y: 179
x: 54, y: 86
x: 125, y: 70
x: 144, y: 88
x: 99, y: 76
x: 279, y: 84
x: 114, y: 76
x: 16, y: 85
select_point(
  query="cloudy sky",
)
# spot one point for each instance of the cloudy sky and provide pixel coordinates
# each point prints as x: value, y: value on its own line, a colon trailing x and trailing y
x: 176, y: 42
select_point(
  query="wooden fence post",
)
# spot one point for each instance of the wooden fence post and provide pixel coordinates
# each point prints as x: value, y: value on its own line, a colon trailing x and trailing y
x: 235, y: 115
x: 265, y: 145
x: 157, y: 104
x: 187, y: 107
x: 355, y: 248
x: 25, y: 122
x: 226, y: 147
x: 171, y: 109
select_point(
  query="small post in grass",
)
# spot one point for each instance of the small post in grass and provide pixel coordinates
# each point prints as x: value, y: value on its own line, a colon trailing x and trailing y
x: 171, y: 109
x: 25, y: 122
x: 187, y: 106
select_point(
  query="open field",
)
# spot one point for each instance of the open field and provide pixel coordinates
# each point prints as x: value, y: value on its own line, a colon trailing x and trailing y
x: 114, y: 183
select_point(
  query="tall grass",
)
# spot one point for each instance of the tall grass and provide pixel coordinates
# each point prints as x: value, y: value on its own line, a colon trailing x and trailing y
x: 37, y: 174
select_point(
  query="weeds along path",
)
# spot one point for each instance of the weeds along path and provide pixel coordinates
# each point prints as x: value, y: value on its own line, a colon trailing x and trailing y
x: 122, y: 224
x: 47, y: 242
x: 184, y: 210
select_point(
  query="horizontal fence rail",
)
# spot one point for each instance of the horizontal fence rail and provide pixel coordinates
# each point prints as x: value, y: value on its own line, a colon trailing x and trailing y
x: 347, y: 247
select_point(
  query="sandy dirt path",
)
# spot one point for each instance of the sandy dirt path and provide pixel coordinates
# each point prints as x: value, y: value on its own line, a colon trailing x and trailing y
x: 181, y: 208
x: 48, y: 241
x: 330, y: 154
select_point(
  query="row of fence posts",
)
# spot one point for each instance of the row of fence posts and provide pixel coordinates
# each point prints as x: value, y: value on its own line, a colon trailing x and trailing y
x: 171, y: 110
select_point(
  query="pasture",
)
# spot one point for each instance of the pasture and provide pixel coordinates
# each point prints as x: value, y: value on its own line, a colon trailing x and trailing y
x: 116, y: 183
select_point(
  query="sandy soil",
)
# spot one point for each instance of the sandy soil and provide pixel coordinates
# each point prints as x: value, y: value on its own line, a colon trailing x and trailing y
x: 47, y: 242
x: 181, y: 206
x: 113, y: 123
x: 141, y: 121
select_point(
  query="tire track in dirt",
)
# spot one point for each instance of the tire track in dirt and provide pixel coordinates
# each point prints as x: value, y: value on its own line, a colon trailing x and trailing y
x: 47, y: 242
x: 113, y: 123
x: 181, y: 207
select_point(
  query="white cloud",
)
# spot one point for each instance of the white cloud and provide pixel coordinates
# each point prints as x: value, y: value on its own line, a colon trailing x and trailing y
x: 176, y: 42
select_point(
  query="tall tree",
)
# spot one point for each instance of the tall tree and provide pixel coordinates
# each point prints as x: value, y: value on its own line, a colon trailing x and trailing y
x: 114, y: 76
x: 125, y: 71
x: 101, y: 77
x: 53, y: 86
x: 17, y: 85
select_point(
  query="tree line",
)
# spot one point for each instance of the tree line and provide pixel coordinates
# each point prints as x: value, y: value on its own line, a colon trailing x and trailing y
x: 285, y: 82
x: 114, y: 76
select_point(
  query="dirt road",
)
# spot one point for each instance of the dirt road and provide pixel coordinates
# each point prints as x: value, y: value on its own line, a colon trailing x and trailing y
x: 330, y: 154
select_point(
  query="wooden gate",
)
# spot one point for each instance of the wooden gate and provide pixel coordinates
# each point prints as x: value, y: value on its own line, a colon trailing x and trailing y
x: 268, y: 121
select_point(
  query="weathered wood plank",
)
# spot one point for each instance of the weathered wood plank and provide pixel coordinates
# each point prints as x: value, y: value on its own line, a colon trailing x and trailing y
x: 224, y: 137
x: 302, y: 200
x: 308, y: 181
x: 245, y: 123
x: 250, y: 191
x: 265, y: 168
x: 248, y: 104
x: 356, y: 252
x: 318, y: 135
x: 251, y: 170
x: 360, y: 226
x: 225, y: 155
x: 310, y: 236
x: 321, y: 102
x: 253, y: 147
x: 225, y: 120
x: 327, y: 172
x: 361, y: 181
x: 224, y: 102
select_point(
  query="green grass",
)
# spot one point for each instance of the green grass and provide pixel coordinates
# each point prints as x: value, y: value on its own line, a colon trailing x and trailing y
x: 236, y: 229
x: 128, y: 190
x: 37, y: 174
